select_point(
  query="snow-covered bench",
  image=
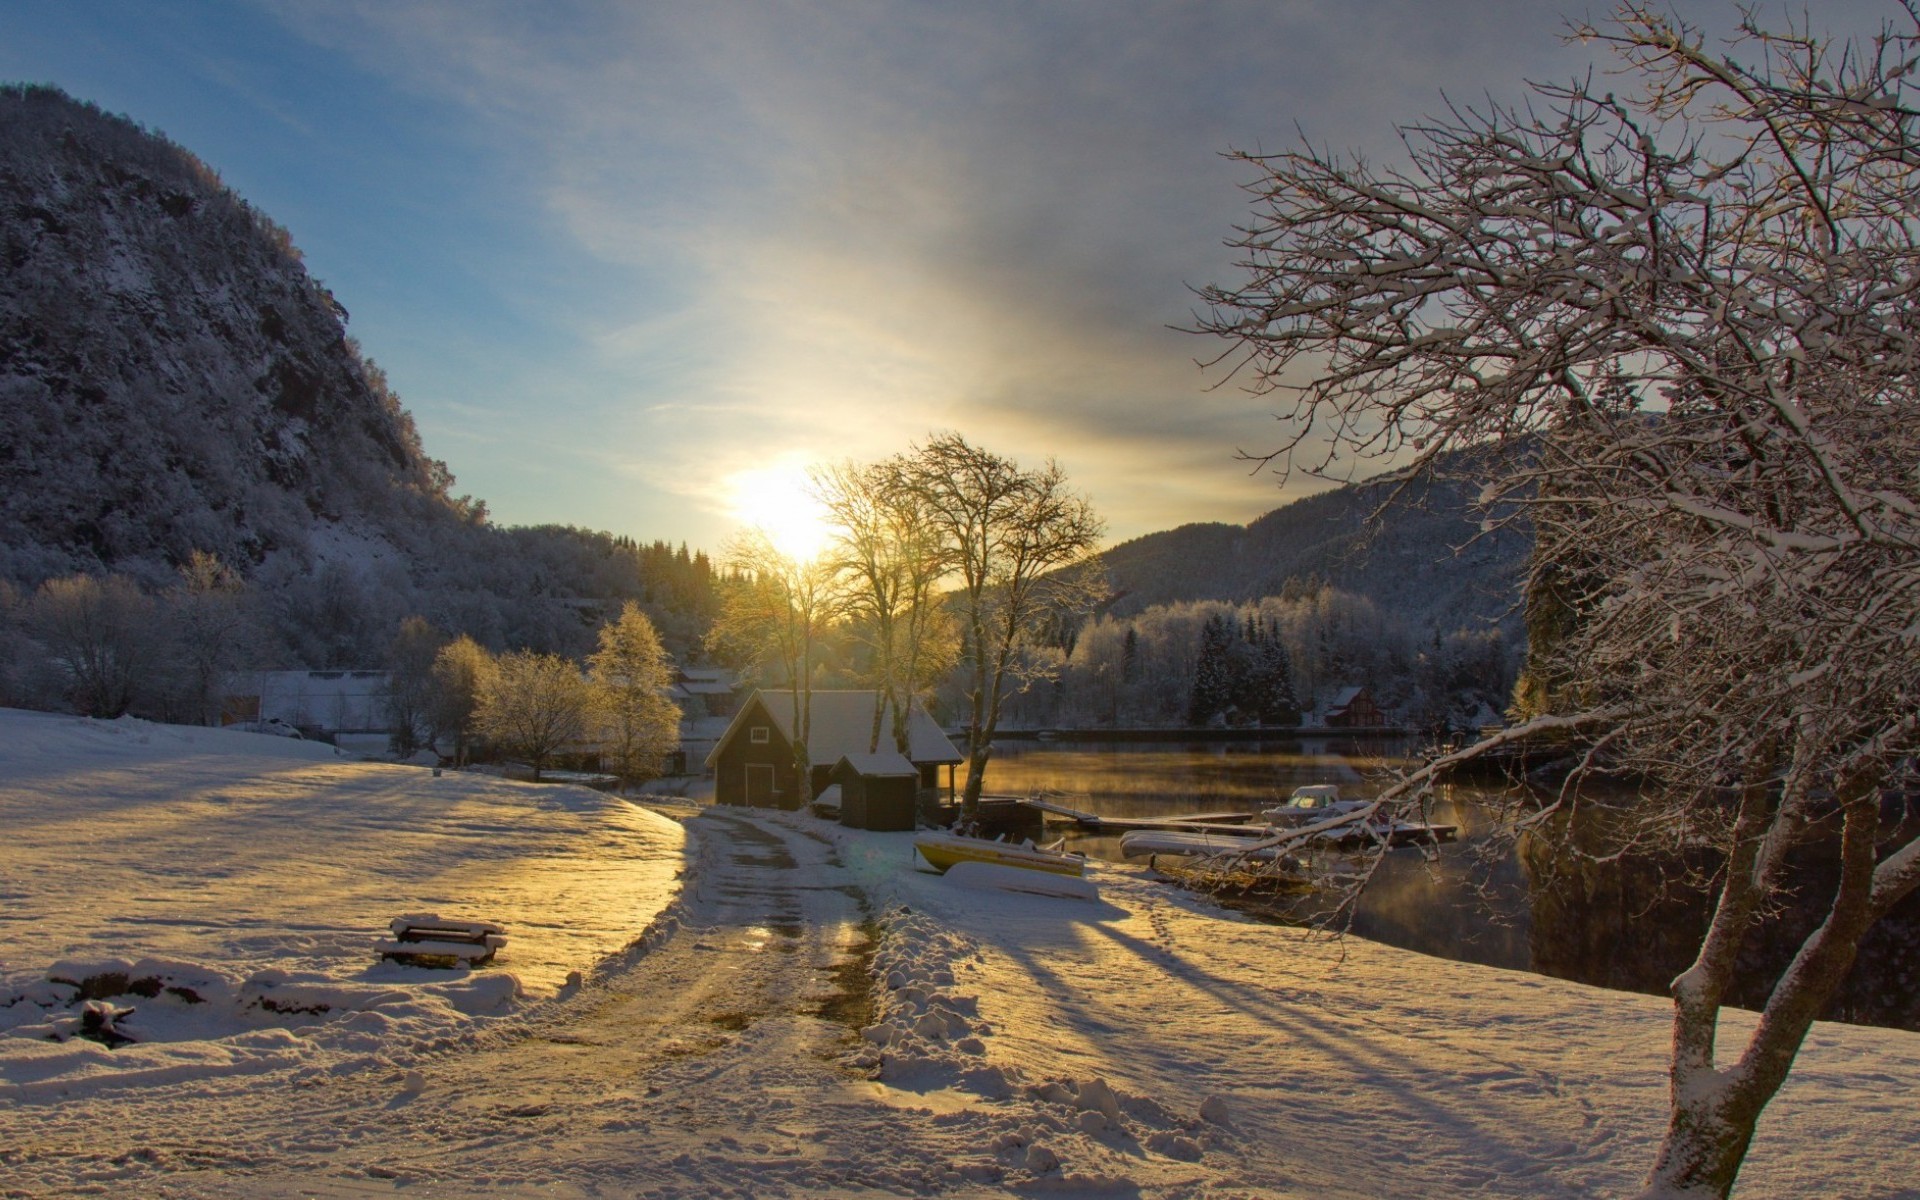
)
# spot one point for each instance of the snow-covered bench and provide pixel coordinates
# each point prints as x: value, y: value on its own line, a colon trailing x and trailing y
x: 430, y: 940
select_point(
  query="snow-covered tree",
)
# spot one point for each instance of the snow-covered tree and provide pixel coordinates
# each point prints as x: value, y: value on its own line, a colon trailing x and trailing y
x: 1213, y: 672
x: 536, y: 705
x: 631, y: 671
x: 97, y: 634
x: 1022, y: 549
x: 1691, y: 299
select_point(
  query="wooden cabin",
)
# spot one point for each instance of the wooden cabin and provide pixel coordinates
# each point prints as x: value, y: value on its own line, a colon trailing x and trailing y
x: 1353, y: 708
x: 752, y: 763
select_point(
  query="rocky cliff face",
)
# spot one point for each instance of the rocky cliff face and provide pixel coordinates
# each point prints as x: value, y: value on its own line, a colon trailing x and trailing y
x: 171, y: 378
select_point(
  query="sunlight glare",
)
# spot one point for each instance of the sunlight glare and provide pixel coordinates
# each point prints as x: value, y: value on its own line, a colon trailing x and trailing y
x: 777, y: 501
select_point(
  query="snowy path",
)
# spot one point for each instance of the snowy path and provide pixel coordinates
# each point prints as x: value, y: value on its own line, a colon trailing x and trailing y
x: 712, y: 1065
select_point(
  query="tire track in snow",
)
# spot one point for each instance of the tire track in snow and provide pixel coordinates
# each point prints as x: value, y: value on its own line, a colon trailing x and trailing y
x: 717, y: 1063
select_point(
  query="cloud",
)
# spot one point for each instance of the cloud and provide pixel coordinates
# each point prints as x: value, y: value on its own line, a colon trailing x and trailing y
x: 830, y: 228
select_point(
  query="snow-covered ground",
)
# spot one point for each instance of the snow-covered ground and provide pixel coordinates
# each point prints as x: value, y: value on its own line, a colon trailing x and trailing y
x: 807, y: 1015
x: 256, y: 872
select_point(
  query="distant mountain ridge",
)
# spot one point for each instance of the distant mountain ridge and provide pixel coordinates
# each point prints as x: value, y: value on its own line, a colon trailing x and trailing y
x: 1416, y: 549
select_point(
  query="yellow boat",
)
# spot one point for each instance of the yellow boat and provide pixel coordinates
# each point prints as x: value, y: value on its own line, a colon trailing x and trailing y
x: 943, y: 850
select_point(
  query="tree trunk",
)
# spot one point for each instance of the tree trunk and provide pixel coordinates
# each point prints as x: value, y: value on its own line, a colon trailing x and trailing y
x: 1714, y: 1113
x: 978, y: 750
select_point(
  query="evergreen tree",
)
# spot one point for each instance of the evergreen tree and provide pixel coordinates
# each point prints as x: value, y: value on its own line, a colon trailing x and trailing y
x: 1278, y: 703
x: 1212, y: 677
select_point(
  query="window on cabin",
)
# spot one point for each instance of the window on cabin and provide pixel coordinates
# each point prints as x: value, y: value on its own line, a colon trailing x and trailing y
x: 758, y: 735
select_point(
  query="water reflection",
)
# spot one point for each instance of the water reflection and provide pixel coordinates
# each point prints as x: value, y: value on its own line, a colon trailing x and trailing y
x: 1623, y: 924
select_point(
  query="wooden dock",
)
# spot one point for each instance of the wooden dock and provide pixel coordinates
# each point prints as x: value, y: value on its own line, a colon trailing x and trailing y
x: 1095, y: 823
x: 1240, y: 824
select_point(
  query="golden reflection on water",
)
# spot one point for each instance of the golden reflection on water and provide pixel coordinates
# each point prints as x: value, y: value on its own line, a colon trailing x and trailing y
x: 1454, y: 905
x: 1139, y: 779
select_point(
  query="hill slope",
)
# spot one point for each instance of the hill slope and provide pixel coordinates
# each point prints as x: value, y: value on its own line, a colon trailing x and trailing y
x: 1421, y: 554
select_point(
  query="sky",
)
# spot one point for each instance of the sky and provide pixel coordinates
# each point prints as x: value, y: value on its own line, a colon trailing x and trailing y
x: 632, y: 266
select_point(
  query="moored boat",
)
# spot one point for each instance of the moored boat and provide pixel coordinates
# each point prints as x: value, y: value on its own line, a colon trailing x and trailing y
x: 944, y: 850
x: 1309, y: 803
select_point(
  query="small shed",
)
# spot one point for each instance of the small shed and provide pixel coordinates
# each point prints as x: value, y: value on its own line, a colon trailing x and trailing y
x: 877, y: 791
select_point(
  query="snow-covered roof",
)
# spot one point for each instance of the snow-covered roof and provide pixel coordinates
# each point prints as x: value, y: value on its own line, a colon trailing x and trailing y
x: 840, y: 723
x: 704, y: 687
x: 1344, y: 697
x: 880, y: 762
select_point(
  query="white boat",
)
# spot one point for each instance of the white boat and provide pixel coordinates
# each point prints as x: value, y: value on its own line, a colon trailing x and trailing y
x: 1310, y: 803
x: 943, y: 850
x: 1153, y: 843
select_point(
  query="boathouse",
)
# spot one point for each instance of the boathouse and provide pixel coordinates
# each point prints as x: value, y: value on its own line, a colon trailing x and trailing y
x: 752, y: 763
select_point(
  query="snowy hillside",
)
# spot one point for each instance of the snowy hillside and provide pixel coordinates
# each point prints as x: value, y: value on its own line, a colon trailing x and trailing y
x: 173, y: 378
x: 1425, y: 559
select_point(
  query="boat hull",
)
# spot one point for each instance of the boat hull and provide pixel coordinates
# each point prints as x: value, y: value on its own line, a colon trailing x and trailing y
x: 944, y: 851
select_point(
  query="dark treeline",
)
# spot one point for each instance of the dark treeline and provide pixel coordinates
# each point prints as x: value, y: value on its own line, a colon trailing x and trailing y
x: 1206, y: 662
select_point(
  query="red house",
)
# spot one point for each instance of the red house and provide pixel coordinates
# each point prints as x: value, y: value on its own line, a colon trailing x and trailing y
x: 1352, y: 708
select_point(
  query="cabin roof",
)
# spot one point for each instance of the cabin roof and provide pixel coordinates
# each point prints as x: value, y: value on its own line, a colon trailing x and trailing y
x: 881, y: 762
x: 841, y: 722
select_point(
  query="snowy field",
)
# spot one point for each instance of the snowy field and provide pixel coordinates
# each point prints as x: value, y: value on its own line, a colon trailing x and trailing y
x: 805, y: 1015
x: 258, y: 871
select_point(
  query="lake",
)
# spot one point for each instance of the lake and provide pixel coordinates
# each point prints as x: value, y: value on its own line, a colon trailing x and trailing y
x: 1532, y: 907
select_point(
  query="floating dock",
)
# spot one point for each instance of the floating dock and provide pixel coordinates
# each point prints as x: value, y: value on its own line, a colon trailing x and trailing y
x: 1234, y: 822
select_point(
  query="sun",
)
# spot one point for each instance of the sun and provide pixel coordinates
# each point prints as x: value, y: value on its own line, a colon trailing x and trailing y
x: 778, y: 501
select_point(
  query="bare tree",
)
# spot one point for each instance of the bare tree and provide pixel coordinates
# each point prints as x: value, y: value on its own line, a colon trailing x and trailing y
x: 98, y: 634
x: 536, y: 705
x: 1022, y: 545
x: 890, y: 554
x: 1687, y: 313
x: 775, y: 615
x: 212, y: 632
x: 410, y: 660
x: 630, y: 670
x: 15, y: 649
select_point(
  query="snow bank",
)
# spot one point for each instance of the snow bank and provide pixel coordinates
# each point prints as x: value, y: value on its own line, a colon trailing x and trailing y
x: 1150, y: 1042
